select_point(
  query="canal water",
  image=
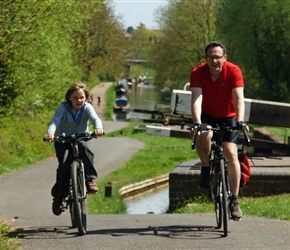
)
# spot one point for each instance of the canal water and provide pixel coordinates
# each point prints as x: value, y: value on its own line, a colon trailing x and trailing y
x: 145, y: 98
x: 153, y: 202
x: 140, y: 98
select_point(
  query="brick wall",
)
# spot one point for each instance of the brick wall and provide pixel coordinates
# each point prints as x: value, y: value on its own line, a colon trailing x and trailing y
x: 267, y: 178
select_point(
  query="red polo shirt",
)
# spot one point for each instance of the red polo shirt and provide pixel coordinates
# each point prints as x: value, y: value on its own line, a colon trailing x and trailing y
x: 217, y: 101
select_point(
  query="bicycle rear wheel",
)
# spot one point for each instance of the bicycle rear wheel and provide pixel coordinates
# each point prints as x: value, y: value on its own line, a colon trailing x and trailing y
x: 79, y: 197
x: 224, y: 198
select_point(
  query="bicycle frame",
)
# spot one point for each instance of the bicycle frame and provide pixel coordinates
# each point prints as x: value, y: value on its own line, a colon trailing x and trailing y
x: 76, y: 199
x: 219, y: 184
x: 219, y: 190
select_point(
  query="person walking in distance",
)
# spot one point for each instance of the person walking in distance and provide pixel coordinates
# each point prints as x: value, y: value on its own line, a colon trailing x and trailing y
x: 217, y: 89
x: 99, y: 101
x: 72, y: 117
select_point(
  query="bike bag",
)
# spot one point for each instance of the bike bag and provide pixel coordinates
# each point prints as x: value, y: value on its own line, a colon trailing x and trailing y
x: 243, y: 156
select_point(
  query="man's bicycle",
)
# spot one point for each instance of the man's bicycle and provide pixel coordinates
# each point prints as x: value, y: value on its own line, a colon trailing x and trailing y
x: 76, y: 199
x: 219, y: 188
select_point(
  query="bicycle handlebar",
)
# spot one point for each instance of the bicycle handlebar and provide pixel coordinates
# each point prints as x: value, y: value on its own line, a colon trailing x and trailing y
x: 220, y: 128
x: 78, y: 137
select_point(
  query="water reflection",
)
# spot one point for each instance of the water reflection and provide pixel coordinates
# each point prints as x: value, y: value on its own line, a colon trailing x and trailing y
x: 145, y: 97
x: 156, y: 201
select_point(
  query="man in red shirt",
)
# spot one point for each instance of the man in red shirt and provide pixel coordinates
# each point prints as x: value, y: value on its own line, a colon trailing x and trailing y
x: 217, y: 89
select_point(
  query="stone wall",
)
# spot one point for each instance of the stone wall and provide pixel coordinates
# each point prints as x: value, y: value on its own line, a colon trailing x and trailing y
x: 269, y: 176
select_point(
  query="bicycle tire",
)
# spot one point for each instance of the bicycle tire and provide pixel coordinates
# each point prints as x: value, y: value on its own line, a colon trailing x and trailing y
x: 224, y: 197
x: 72, y: 214
x: 79, y: 205
x: 217, y: 197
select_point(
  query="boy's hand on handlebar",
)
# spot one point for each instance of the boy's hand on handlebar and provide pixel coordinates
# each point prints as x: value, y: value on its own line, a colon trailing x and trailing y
x: 99, y: 132
x: 48, y: 137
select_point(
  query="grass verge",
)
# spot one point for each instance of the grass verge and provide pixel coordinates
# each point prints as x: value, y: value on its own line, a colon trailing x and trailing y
x: 271, y: 207
x: 159, y: 156
x: 7, y: 243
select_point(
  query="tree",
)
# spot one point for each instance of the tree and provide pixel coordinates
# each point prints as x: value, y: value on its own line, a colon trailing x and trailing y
x: 186, y: 26
x: 104, y: 45
x: 36, y: 58
x: 256, y: 33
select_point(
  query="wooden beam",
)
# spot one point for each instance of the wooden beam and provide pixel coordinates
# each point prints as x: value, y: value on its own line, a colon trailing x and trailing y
x: 258, y: 112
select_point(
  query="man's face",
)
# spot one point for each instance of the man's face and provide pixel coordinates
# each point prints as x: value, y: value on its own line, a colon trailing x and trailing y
x: 215, y: 58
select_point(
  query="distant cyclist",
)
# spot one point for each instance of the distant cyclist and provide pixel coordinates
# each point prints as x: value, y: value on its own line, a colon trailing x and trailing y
x: 72, y: 117
x: 217, y: 89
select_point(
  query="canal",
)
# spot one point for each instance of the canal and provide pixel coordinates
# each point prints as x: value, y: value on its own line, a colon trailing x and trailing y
x: 145, y: 98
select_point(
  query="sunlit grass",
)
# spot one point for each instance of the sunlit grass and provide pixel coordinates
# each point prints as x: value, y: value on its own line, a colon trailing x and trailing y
x: 159, y: 156
x: 274, y: 207
x: 7, y: 243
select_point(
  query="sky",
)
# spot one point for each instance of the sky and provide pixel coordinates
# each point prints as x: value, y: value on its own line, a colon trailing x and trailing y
x: 138, y: 11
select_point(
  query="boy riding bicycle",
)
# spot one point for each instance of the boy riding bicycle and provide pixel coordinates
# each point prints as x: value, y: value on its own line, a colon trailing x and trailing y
x: 72, y: 117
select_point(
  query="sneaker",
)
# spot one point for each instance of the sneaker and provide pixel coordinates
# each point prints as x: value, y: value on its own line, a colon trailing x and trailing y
x: 57, y: 206
x: 92, y: 187
x: 204, y: 177
x: 236, y: 212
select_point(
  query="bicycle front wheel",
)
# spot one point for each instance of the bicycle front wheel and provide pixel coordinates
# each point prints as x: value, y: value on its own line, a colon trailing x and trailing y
x: 79, y: 197
x: 216, y: 195
x: 224, y: 196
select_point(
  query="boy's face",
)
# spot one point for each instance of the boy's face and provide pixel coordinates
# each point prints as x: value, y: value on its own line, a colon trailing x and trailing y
x: 78, y: 98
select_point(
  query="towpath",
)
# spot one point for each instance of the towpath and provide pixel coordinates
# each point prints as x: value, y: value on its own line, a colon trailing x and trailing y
x: 25, y: 202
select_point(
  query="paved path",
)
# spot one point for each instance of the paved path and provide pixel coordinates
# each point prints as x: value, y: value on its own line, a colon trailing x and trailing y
x: 100, y: 90
x: 25, y: 202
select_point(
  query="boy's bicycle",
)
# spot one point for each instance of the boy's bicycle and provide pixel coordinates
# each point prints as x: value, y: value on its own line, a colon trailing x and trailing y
x: 76, y: 199
x: 219, y: 188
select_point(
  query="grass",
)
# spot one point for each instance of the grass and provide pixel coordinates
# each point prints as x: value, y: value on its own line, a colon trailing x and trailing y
x: 159, y: 156
x: 271, y: 207
x: 7, y: 243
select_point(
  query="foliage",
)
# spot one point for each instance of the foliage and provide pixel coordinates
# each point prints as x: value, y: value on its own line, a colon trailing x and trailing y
x: 37, y: 52
x: 47, y: 45
x: 186, y: 26
x: 257, y: 37
x: 254, y: 32
x: 140, y: 42
x: 110, y: 100
x: 40, y: 47
x: 104, y: 45
x: 21, y: 142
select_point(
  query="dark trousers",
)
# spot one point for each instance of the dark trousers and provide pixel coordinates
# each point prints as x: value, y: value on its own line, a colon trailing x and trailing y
x: 63, y: 153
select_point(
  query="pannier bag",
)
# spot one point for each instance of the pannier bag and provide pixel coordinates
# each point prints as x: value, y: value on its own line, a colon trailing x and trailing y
x: 243, y: 156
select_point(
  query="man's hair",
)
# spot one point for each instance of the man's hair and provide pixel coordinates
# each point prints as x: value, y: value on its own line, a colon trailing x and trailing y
x: 213, y: 44
x: 76, y: 86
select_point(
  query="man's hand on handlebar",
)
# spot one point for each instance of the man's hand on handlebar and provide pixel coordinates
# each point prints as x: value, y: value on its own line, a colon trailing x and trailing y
x: 196, y: 126
x: 242, y: 125
x: 199, y: 127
